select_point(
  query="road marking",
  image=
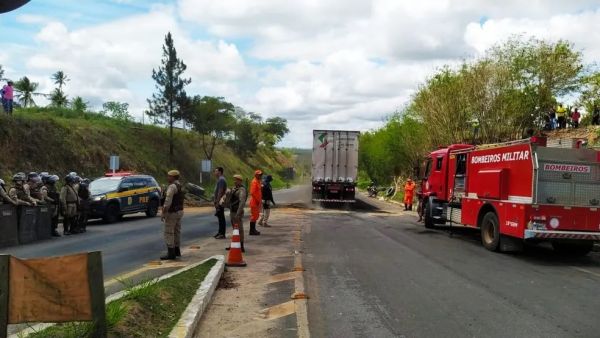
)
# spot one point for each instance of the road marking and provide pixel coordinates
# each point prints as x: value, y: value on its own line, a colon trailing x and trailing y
x: 283, y: 277
x: 279, y: 310
x: 586, y: 271
x: 300, y: 299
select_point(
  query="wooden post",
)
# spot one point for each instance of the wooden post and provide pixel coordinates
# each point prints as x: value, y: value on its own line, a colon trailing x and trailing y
x: 4, y: 282
x: 96, y: 282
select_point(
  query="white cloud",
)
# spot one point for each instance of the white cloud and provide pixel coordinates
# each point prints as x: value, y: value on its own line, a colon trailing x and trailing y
x: 318, y: 63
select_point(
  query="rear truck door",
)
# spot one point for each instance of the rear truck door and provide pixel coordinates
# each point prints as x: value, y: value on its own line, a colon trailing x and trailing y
x: 568, y: 179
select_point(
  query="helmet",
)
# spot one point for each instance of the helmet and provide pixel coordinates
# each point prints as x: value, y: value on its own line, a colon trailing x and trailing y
x: 2, y: 183
x: 86, y: 181
x: 34, y: 177
x: 52, y: 179
x: 44, y: 176
x: 69, y: 179
x: 19, y: 177
x: 77, y: 179
x: 72, y: 173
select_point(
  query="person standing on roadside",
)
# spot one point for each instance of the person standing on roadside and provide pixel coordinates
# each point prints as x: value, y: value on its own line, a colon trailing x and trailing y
x: 255, y: 201
x: 4, y: 198
x: 69, y: 201
x: 267, y: 199
x: 409, y: 191
x: 575, y: 116
x: 236, y: 207
x: 220, y: 190
x: 53, y: 194
x: 172, y: 213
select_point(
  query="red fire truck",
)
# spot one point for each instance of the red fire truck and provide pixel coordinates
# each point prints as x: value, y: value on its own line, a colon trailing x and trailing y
x: 515, y: 192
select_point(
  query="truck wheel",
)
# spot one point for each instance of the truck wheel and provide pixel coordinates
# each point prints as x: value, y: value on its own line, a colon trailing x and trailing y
x: 429, y: 224
x: 576, y: 249
x: 152, y: 210
x: 111, y: 214
x: 490, y: 231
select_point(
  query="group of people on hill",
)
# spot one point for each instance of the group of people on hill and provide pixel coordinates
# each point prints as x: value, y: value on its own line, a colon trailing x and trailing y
x: 71, y: 201
x: 7, y: 94
x: 563, y: 117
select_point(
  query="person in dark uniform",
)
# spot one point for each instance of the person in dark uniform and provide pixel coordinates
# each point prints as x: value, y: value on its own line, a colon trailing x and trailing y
x: 84, y: 205
x: 172, y: 213
x: 267, y: 196
x: 52, y: 192
x: 4, y: 198
x: 68, y: 202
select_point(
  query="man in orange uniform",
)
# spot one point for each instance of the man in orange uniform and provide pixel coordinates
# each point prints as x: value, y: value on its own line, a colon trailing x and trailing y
x: 409, y: 190
x: 255, y: 201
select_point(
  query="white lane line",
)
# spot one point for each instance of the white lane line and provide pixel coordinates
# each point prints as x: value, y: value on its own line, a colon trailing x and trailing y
x: 586, y: 271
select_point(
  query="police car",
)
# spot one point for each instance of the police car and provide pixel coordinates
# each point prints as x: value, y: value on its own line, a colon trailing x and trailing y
x: 118, y: 194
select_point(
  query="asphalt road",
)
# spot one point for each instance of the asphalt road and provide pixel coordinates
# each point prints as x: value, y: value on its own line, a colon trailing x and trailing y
x: 136, y: 240
x: 380, y: 274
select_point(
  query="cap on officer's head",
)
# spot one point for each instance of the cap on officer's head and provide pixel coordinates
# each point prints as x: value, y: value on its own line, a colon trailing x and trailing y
x: 173, y: 173
x: 258, y: 172
x: 238, y: 177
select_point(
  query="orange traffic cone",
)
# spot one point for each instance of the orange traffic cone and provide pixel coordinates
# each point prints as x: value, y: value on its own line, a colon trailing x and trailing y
x: 235, y: 249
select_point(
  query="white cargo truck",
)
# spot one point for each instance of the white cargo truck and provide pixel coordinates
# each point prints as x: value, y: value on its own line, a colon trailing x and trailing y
x: 334, y: 165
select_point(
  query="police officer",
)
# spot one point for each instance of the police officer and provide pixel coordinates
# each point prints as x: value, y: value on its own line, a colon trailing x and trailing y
x: 172, y: 213
x: 4, y: 198
x: 19, y: 192
x: 68, y: 202
x: 50, y: 190
x: 236, y: 207
x: 34, y: 184
x: 84, y: 204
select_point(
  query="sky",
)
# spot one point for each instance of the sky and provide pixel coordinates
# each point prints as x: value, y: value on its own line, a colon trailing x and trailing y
x: 321, y: 64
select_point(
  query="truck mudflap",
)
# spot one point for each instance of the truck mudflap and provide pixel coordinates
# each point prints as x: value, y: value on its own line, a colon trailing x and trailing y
x: 334, y: 201
x: 556, y: 234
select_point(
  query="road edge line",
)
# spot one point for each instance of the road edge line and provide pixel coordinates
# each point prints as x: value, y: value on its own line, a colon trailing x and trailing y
x: 301, y: 303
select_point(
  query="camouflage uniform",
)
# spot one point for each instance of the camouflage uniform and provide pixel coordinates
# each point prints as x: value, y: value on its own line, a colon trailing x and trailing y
x: 4, y: 198
x: 236, y: 209
x: 19, y: 194
x: 69, y: 201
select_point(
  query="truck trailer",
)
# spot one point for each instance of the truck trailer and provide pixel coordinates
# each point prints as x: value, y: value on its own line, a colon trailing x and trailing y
x: 516, y: 192
x: 334, y: 166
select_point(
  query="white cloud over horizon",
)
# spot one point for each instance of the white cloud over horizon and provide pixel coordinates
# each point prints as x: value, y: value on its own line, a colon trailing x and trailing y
x: 320, y: 64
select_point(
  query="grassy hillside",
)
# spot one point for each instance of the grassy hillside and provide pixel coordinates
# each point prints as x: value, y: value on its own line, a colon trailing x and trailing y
x: 60, y: 141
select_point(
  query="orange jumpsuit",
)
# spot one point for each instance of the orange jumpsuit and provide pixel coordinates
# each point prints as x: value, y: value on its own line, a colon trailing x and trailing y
x: 409, y: 191
x: 255, y: 199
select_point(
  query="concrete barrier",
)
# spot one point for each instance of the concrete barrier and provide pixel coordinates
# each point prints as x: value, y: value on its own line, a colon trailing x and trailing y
x: 43, y: 225
x: 8, y: 226
x: 27, y: 224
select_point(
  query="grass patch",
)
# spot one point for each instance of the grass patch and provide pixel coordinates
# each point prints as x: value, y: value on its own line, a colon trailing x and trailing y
x: 150, y: 309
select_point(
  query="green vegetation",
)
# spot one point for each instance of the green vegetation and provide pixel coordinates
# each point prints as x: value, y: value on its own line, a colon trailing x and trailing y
x: 150, y: 309
x: 61, y: 140
x: 503, y: 95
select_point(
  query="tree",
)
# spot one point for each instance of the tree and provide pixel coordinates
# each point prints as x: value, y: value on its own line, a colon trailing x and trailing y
x: 58, y: 98
x: 60, y: 79
x: 165, y: 105
x: 26, y: 90
x: 79, y: 105
x: 212, y: 117
x: 274, y: 129
x: 117, y: 110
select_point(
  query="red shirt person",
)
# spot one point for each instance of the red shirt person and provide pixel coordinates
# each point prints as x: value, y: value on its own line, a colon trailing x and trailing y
x: 409, y: 194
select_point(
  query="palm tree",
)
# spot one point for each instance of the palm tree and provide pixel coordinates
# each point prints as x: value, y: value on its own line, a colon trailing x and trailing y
x: 58, y: 98
x: 25, y: 91
x: 60, y: 78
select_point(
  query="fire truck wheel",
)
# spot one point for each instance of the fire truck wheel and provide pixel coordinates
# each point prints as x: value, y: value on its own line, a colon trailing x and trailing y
x: 429, y: 224
x: 490, y: 231
x: 581, y: 248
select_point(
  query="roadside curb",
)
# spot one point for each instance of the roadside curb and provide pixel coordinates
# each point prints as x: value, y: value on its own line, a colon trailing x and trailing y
x: 186, y: 326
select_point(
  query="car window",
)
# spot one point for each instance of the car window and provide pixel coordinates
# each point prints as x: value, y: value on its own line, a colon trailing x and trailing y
x: 104, y: 185
x: 139, y: 183
x: 126, y: 185
x: 152, y: 182
x: 428, y: 168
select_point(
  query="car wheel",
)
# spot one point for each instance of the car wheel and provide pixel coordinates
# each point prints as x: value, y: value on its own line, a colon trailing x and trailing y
x: 152, y: 209
x: 490, y: 231
x: 112, y: 213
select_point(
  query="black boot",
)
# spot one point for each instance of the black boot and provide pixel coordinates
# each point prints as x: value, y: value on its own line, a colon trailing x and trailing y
x: 177, y: 252
x: 253, y: 231
x: 410, y: 207
x: 242, y: 243
x: 169, y: 256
